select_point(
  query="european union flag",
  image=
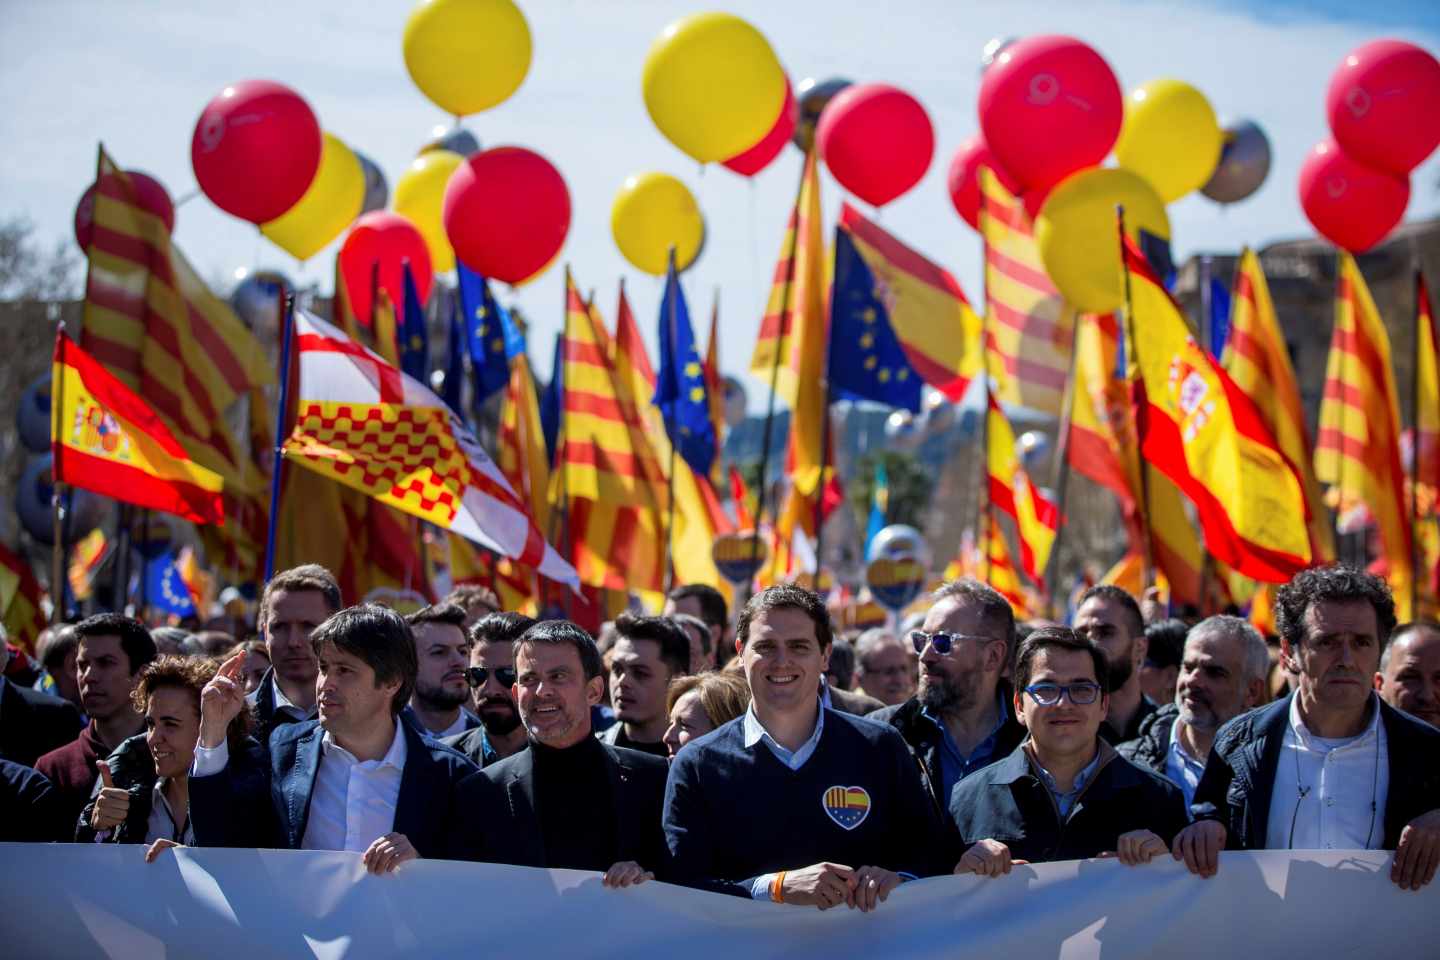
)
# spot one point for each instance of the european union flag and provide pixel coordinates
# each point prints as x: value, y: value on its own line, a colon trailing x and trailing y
x: 164, y: 588
x: 866, y: 358
x: 1219, y: 317
x: 489, y: 332
x: 414, y: 341
x: 551, y: 399
x: 680, y: 382
x: 455, y: 362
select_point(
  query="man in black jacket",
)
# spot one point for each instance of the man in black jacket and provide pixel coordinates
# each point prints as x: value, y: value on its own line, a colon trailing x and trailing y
x: 569, y: 801
x: 294, y: 603
x: 960, y: 719
x: 1064, y: 794
x: 1332, y: 766
x: 32, y: 723
x: 492, y: 688
x: 1110, y: 618
x: 1223, y: 666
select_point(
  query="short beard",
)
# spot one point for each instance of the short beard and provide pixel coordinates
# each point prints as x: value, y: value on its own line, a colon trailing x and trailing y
x: 1205, y: 719
x: 438, y: 698
x: 499, y: 725
x: 939, y: 695
x: 1120, y: 669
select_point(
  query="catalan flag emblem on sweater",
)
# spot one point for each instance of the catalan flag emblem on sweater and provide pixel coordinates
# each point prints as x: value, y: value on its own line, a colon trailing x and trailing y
x: 847, y: 806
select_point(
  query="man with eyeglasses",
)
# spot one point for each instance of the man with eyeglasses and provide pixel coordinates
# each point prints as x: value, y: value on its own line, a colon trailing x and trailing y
x: 437, y: 707
x: 1063, y: 794
x: 491, y: 677
x: 1332, y: 766
x: 884, y: 668
x: 959, y: 720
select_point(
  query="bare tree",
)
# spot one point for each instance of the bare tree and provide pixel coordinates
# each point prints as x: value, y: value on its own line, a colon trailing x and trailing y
x: 28, y: 272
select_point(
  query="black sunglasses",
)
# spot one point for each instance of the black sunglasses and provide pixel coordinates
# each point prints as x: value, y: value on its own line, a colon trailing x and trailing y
x: 476, y: 676
x: 942, y: 642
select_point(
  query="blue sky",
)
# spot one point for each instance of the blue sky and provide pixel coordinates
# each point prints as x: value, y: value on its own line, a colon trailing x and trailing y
x: 135, y: 75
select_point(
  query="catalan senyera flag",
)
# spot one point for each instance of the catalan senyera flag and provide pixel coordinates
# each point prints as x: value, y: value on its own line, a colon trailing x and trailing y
x: 999, y: 570
x: 1029, y: 327
x: 1258, y: 361
x: 1103, y: 448
x: 1427, y: 399
x: 363, y: 423
x: 110, y: 441
x: 614, y: 488
x: 154, y: 325
x: 699, y: 517
x: 904, y: 319
x: 1357, y: 451
x: 1011, y: 492
x: 21, y: 600
x: 1199, y: 429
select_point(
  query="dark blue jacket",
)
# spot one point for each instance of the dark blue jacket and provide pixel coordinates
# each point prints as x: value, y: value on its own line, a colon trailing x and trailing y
x: 1239, y: 780
x: 926, y: 740
x: 30, y: 810
x: 733, y: 813
x: 264, y: 801
x: 1007, y: 801
x: 262, y: 705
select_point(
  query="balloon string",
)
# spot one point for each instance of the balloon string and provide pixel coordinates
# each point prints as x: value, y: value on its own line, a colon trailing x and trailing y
x: 755, y: 283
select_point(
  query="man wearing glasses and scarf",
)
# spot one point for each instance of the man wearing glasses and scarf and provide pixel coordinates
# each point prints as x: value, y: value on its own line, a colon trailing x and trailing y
x: 959, y: 719
x: 1063, y: 794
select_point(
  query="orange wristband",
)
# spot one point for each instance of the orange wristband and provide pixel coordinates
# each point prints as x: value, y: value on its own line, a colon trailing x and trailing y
x: 777, y: 887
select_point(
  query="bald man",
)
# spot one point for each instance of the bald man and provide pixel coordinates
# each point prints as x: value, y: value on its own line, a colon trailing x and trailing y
x: 1409, y: 676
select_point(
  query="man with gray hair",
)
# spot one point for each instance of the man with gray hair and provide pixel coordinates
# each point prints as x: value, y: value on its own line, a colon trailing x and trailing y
x: 1222, y: 674
x: 959, y: 719
x: 883, y: 668
x: 1409, y: 675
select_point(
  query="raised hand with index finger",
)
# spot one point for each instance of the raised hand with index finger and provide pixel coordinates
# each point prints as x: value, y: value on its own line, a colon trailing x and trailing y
x: 222, y: 700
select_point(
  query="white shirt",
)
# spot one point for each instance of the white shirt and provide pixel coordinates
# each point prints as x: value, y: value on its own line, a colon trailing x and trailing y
x: 162, y: 819
x: 1332, y: 791
x: 353, y: 803
x: 1183, y: 769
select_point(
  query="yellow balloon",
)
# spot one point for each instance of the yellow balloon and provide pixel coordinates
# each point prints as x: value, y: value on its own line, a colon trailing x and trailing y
x: 467, y: 55
x: 1078, y: 239
x: 1170, y: 137
x: 713, y: 85
x: 419, y: 196
x: 653, y: 212
x: 333, y: 199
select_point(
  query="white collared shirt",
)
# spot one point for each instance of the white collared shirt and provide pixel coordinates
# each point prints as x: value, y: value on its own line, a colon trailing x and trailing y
x: 755, y: 732
x: 353, y: 803
x: 1332, y: 791
x: 1183, y: 769
x: 161, y: 824
x: 285, y: 705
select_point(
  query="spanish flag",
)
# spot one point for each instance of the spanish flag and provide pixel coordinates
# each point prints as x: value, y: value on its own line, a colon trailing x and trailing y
x: 21, y: 600
x: 108, y: 440
x: 1199, y: 429
x: 1036, y: 518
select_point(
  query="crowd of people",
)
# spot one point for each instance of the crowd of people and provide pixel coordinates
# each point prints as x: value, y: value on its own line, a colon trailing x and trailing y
x: 685, y: 748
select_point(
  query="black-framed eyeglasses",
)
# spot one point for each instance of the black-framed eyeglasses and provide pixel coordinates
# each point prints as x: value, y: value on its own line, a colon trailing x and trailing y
x: 1082, y: 694
x: 942, y: 642
x: 476, y: 676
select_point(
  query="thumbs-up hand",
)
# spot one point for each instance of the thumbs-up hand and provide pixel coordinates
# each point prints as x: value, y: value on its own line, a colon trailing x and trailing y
x: 111, y: 803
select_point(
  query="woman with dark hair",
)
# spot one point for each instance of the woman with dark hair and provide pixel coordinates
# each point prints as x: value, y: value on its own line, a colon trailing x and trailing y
x: 143, y: 795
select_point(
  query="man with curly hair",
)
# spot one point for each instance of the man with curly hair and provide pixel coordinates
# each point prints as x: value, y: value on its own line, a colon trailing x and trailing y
x: 1332, y: 766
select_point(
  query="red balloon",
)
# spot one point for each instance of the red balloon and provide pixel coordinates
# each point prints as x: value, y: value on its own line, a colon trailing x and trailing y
x: 506, y: 212
x: 1049, y: 106
x: 144, y: 189
x: 255, y: 149
x: 964, y: 178
x: 1384, y: 105
x: 758, y: 157
x: 877, y: 141
x: 1353, y: 205
x: 387, y: 239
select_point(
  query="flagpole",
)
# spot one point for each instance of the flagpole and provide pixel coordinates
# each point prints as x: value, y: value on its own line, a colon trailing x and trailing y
x: 1132, y: 363
x: 277, y: 468
x: 838, y: 282
x: 780, y: 340
x: 1415, y: 456
x: 1061, y: 483
x: 670, y: 321
x: 57, y: 552
x: 1207, y: 562
x: 565, y: 531
x: 144, y: 567
x: 982, y: 490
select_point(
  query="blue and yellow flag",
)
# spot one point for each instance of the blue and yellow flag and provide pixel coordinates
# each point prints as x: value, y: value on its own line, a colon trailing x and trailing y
x: 488, y: 330
x: 552, y: 397
x: 414, y: 340
x: 165, y: 589
x: 680, y: 385
x: 879, y: 505
x: 454, y: 362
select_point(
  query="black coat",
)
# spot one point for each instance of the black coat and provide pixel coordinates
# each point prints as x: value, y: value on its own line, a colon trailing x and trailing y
x: 1007, y: 801
x: 34, y: 723
x: 925, y: 741
x: 1151, y: 748
x: 262, y: 706
x: 30, y: 809
x: 133, y: 770
x: 1239, y: 780
x: 502, y: 818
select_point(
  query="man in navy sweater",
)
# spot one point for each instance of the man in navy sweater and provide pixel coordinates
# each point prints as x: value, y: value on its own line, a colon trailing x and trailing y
x: 793, y: 802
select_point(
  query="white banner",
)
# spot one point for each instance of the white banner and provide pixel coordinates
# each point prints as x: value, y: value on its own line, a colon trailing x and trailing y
x: 70, y: 900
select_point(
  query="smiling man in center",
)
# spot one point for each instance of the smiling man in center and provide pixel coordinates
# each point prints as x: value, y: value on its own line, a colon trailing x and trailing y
x: 831, y: 806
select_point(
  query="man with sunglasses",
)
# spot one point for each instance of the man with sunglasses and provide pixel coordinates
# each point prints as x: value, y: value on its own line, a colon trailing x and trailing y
x: 959, y: 721
x: 437, y: 707
x: 491, y: 677
x: 1063, y: 794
